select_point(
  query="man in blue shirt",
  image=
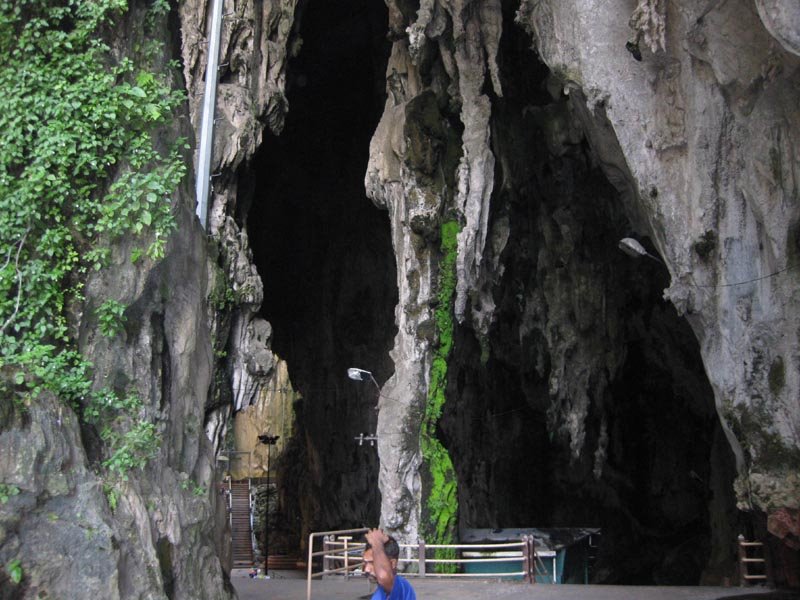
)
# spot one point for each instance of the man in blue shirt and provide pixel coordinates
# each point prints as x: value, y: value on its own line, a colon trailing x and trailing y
x: 380, y: 565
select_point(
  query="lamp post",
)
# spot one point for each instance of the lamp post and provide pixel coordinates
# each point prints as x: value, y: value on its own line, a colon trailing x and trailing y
x: 362, y: 375
x: 633, y: 248
x: 269, y: 441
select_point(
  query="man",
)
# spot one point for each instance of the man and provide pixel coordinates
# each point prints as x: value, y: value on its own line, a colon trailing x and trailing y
x: 380, y: 565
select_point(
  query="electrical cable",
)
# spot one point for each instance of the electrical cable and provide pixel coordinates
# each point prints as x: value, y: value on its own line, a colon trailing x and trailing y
x: 721, y: 285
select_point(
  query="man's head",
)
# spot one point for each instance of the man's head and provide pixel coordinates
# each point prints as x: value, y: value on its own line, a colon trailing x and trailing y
x: 392, y: 550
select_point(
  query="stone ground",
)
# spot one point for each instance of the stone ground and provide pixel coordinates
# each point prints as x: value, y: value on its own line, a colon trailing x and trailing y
x: 291, y: 585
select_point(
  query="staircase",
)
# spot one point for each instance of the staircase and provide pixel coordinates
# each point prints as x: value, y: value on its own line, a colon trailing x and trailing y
x: 753, y: 566
x: 241, y: 524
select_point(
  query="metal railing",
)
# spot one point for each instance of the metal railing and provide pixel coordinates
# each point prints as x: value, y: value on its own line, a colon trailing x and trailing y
x: 327, y: 554
x: 341, y: 556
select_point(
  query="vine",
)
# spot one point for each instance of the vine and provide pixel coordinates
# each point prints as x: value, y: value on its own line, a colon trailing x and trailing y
x: 442, y: 504
x: 79, y: 168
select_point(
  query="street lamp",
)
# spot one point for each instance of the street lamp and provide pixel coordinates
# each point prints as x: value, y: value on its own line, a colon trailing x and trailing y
x: 269, y: 441
x: 633, y: 248
x: 362, y: 375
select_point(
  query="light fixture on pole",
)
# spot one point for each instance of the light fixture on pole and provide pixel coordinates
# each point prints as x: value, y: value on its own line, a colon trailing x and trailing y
x: 269, y: 441
x: 633, y: 248
x: 363, y: 375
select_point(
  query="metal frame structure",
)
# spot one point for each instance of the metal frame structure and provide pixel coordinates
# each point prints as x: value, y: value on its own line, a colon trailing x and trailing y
x: 338, y: 549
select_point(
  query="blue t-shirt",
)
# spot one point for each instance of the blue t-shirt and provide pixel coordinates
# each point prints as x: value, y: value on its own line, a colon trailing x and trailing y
x: 401, y: 590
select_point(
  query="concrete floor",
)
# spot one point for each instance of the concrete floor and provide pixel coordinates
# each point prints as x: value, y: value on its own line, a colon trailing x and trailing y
x: 291, y: 585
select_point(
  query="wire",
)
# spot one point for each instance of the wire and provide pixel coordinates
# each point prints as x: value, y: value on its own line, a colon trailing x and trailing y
x: 721, y: 285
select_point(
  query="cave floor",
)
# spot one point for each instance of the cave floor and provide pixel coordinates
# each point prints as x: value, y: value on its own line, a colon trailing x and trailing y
x: 292, y: 586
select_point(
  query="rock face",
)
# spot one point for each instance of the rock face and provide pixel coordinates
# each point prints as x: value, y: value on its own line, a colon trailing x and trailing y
x: 705, y: 131
x: 695, y: 136
x: 43, y: 458
x: 159, y: 539
x: 165, y: 536
x: 577, y: 394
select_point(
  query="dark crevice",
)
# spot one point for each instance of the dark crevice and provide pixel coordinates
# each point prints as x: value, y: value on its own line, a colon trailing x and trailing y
x: 652, y: 470
x: 324, y: 254
x: 662, y: 490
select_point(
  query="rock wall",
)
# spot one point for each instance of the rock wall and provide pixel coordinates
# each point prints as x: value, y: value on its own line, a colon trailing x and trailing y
x: 699, y: 135
x: 694, y: 124
x: 189, y: 319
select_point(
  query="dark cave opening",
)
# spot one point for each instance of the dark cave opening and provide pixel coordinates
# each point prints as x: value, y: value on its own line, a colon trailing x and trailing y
x: 325, y: 256
x: 582, y: 334
x: 649, y: 465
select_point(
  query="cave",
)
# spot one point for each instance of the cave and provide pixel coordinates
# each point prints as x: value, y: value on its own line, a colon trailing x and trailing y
x: 649, y: 464
x: 324, y: 254
x: 435, y: 192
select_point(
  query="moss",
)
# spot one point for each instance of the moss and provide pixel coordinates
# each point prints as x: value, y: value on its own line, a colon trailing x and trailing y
x: 763, y: 447
x: 777, y: 376
x: 775, y: 165
x: 222, y: 296
x: 706, y: 244
x: 442, y: 501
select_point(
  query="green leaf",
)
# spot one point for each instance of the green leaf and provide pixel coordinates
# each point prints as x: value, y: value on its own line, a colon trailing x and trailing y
x: 14, y: 570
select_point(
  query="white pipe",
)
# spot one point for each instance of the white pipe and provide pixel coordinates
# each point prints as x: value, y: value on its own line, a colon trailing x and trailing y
x: 207, y: 122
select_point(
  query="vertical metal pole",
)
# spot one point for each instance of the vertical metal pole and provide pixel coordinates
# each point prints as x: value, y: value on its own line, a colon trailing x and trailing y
x: 309, y: 569
x: 346, y: 538
x: 206, y: 148
x: 526, y: 559
x: 266, y: 521
x: 421, y: 557
x: 326, y: 549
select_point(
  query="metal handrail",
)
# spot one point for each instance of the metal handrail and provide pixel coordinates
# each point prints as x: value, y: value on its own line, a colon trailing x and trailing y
x: 336, y: 551
x: 312, y: 554
x: 253, y: 542
x: 502, y: 545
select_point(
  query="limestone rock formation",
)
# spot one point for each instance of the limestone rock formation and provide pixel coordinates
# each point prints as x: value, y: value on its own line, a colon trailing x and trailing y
x: 696, y: 138
x: 271, y: 412
x: 163, y: 534
x: 534, y: 128
x: 705, y: 133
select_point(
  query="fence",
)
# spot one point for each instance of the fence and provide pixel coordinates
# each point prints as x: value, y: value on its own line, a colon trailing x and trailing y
x: 340, y: 555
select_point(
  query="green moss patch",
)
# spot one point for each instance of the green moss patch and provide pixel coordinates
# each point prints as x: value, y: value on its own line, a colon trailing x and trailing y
x: 442, y: 501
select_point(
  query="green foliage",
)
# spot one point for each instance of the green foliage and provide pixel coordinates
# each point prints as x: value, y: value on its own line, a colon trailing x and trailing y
x: 197, y: 490
x: 7, y: 491
x: 78, y: 169
x: 14, y: 570
x: 131, y: 440
x: 222, y: 296
x: 105, y: 405
x: 753, y: 425
x: 112, y: 495
x: 111, y: 318
x: 130, y: 449
x: 442, y: 502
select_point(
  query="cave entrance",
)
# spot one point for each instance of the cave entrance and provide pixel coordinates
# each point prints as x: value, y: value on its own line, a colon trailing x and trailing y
x: 586, y: 404
x: 325, y: 256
